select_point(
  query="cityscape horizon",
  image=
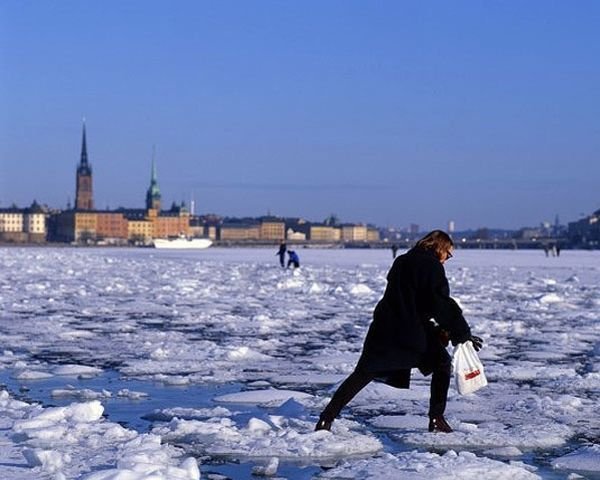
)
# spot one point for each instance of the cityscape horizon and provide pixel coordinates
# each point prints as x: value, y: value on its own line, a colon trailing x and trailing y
x: 190, y: 204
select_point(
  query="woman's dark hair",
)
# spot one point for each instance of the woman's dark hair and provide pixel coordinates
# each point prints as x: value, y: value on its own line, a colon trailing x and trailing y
x: 437, y: 241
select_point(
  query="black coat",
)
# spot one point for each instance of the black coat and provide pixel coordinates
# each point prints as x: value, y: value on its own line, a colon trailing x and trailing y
x: 401, y: 335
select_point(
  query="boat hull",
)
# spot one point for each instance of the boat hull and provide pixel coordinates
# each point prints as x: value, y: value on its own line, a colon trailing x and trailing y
x: 182, y: 243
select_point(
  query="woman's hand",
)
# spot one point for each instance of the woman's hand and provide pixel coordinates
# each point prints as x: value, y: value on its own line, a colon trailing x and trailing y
x: 477, y: 342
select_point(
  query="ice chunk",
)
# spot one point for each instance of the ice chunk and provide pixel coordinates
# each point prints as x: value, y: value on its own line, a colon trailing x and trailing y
x: 261, y: 396
x: 585, y: 459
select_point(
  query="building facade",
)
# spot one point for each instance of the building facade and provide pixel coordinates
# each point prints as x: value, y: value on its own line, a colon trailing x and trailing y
x: 324, y: 233
x: 11, y: 220
x: 272, y: 229
x: 111, y: 227
x: 239, y: 232
x: 585, y: 232
x: 21, y: 225
x: 354, y: 233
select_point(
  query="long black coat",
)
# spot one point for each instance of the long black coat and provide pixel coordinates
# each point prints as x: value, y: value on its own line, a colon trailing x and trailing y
x: 401, y: 335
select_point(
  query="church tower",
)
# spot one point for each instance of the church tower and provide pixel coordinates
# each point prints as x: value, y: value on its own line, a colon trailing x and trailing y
x: 153, y: 193
x: 83, y: 192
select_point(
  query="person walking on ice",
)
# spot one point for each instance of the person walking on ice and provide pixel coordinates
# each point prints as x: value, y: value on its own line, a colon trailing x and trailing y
x: 281, y: 253
x: 402, y: 335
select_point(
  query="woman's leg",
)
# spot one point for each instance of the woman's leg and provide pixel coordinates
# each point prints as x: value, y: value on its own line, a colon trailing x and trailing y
x: 436, y: 361
x: 357, y: 380
x: 440, y: 382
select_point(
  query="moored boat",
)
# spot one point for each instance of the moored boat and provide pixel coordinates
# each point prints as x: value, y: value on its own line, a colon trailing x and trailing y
x: 182, y: 243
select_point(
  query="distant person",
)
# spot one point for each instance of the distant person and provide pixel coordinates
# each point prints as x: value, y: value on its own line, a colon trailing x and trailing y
x: 546, y: 249
x: 394, y: 250
x: 281, y: 253
x: 557, y: 250
x: 293, y: 259
x: 402, y: 335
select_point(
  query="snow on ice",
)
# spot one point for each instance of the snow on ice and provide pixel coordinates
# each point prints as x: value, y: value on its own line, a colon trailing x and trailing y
x: 273, y: 344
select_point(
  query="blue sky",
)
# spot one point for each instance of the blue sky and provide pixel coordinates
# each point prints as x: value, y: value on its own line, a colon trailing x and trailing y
x: 389, y: 112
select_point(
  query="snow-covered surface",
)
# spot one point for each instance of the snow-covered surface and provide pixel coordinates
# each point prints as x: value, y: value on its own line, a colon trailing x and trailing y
x: 276, y: 343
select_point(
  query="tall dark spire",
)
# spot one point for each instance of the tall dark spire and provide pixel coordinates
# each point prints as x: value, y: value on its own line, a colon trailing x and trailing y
x: 83, y: 190
x: 84, y: 167
x: 84, y: 160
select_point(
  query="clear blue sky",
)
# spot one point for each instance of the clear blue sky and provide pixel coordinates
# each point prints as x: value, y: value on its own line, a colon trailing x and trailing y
x: 390, y: 112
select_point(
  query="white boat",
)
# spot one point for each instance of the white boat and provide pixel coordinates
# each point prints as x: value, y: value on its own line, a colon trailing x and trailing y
x: 182, y: 243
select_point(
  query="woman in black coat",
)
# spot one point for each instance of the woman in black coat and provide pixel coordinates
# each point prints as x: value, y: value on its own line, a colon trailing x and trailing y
x: 411, y: 327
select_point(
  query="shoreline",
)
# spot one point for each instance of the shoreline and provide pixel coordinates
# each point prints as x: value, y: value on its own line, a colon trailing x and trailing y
x: 467, y: 245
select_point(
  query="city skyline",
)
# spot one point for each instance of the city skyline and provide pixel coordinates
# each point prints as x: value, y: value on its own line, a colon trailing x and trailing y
x: 390, y: 114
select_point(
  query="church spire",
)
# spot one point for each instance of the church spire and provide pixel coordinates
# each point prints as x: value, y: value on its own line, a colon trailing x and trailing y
x: 83, y: 191
x: 153, y: 194
x: 153, y: 180
x: 84, y: 159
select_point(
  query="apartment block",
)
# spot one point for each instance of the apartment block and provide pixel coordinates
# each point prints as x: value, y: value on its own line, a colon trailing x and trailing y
x: 111, y: 226
x: 354, y: 233
x: 237, y: 231
x: 272, y: 230
x: 324, y: 233
x: 11, y: 220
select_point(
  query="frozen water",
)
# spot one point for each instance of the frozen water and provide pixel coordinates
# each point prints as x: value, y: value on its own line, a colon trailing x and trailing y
x: 219, y: 361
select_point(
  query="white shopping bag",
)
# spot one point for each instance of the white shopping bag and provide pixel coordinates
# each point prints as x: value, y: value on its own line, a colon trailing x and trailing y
x: 468, y: 369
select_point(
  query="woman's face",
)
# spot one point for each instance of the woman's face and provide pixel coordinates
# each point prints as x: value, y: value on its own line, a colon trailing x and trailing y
x: 446, y: 254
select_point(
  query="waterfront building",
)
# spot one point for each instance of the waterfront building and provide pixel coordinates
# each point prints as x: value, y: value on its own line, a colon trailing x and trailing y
x: 272, y: 228
x: 324, y: 233
x: 585, y: 232
x: 73, y: 226
x: 35, y: 219
x: 111, y: 227
x: 373, y: 234
x: 354, y: 233
x: 171, y: 223
x: 140, y: 230
x: 239, y: 231
x: 21, y: 225
x: 205, y: 226
x: 11, y: 220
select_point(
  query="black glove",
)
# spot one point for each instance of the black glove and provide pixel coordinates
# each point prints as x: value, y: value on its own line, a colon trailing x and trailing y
x: 477, y: 342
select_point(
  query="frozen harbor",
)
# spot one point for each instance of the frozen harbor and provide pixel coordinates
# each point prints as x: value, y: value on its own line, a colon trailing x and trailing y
x: 137, y: 364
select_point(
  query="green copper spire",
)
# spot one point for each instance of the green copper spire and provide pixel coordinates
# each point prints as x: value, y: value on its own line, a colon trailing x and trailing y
x: 153, y: 193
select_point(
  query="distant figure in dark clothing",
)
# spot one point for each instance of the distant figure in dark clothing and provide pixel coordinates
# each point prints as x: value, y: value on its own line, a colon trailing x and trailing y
x: 281, y: 253
x: 402, y: 335
x: 293, y: 259
x: 394, y: 250
x: 557, y: 250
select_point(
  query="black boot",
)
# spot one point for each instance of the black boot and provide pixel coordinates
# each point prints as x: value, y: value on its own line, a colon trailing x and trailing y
x: 323, y: 424
x: 439, y: 424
